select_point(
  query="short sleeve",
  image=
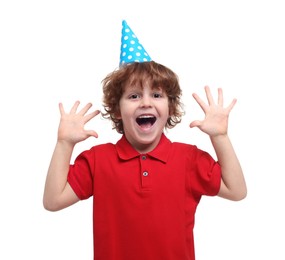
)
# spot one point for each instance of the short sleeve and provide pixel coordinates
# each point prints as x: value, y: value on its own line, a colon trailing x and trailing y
x: 80, y: 176
x: 205, y: 177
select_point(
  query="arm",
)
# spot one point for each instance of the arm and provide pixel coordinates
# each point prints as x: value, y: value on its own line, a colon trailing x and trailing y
x: 215, y: 124
x: 57, y: 193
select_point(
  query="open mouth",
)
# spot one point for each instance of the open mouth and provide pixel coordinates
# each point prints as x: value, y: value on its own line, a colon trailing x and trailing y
x: 146, y: 121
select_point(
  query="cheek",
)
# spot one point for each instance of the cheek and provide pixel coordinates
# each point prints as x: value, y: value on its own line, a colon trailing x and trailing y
x: 123, y: 112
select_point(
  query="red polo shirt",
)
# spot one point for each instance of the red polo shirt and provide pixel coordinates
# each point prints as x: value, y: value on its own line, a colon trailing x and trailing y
x: 144, y: 204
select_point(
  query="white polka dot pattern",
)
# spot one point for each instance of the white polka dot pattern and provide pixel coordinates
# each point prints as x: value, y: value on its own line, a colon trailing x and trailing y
x: 131, y: 49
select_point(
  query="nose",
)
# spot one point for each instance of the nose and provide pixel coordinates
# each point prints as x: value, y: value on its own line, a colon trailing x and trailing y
x: 146, y: 101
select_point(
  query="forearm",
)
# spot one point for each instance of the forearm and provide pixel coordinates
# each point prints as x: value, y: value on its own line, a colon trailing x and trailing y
x: 233, y: 185
x: 56, y: 179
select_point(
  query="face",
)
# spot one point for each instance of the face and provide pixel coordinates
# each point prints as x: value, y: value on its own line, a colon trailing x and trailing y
x: 144, y: 112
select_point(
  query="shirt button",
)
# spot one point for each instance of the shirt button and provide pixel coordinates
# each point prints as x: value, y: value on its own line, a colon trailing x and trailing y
x: 143, y: 157
x: 145, y: 174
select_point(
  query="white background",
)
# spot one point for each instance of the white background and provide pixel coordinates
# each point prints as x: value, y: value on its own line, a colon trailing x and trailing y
x: 59, y: 51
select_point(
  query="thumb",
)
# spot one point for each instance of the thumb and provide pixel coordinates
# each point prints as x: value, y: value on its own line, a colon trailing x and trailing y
x: 92, y: 133
x: 195, y: 123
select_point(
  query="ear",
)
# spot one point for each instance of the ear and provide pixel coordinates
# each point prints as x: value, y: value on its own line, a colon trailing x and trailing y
x: 170, y: 111
x: 118, y: 115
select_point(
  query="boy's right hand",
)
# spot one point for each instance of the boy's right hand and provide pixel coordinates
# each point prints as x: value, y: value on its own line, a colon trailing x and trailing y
x: 71, y: 126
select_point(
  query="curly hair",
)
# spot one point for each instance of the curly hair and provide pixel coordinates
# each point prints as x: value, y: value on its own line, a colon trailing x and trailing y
x: 136, y: 73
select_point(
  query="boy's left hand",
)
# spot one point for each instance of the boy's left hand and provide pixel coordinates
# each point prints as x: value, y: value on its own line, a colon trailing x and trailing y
x: 216, y: 115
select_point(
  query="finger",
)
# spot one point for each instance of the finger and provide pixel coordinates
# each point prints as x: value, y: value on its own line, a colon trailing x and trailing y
x: 74, y: 107
x: 84, y: 110
x: 91, y: 115
x: 61, y: 109
x: 201, y: 103
x: 209, y: 95
x: 232, y: 104
x: 220, y: 97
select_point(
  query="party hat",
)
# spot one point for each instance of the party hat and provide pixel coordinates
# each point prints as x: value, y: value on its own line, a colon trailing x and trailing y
x: 131, y: 49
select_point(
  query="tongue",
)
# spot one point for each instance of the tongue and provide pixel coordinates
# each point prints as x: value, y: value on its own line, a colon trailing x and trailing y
x: 146, y: 125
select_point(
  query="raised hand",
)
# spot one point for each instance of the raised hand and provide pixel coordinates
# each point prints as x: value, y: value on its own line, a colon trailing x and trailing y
x: 216, y: 115
x: 71, y: 126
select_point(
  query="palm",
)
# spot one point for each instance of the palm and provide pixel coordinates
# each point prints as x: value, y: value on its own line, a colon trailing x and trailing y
x: 71, y: 127
x: 216, y: 115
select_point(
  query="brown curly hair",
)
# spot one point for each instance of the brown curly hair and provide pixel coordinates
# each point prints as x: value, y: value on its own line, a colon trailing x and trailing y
x: 136, y: 73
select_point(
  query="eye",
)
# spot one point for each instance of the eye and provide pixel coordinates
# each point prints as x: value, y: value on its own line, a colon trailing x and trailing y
x: 157, y: 95
x: 134, y: 96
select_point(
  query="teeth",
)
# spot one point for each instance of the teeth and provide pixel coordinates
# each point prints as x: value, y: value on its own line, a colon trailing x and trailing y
x: 145, y: 116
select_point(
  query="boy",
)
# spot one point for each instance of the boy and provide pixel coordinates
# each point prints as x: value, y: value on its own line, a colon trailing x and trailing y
x: 145, y: 188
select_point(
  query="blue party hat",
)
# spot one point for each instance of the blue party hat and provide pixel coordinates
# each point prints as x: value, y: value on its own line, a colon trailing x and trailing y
x: 131, y: 49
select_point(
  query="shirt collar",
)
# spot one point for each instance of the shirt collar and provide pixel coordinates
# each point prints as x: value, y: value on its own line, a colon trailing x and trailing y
x: 126, y: 151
